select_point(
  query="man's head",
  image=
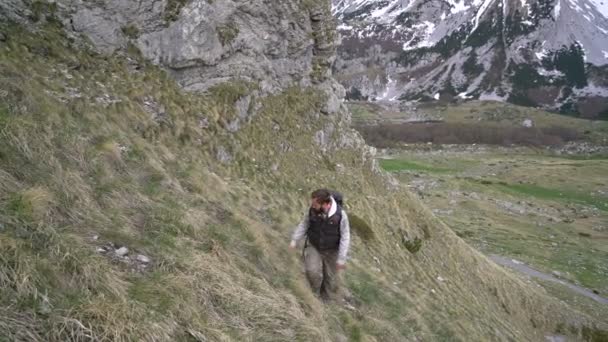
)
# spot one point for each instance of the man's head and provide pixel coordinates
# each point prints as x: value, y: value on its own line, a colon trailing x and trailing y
x: 321, y: 200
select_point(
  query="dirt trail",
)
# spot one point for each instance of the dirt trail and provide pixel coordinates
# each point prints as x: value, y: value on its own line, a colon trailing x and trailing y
x: 523, y: 268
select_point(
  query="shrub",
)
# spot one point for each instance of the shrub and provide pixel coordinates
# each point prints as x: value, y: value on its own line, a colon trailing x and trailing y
x: 227, y: 33
x: 131, y: 31
x: 412, y: 245
x: 361, y: 227
x: 594, y: 334
x: 172, y: 10
x: 31, y: 204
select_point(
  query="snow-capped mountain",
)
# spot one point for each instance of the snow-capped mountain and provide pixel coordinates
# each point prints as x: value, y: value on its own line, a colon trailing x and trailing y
x: 549, y: 53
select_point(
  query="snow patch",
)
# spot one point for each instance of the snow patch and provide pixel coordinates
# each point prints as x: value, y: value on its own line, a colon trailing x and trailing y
x: 591, y: 90
x: 542, y: 54
x: 425, y: 28
x: 492, y: 97
x: 437, y: 96
x: 557, y: 9
x: 458, y: 6
x: 344, y: 27
x: 390, y: 10
x: 480, y: 12
x: 601, y: 6
x: 583, y: 49
x: 389, y: 90
x: 464, y: 96
x: 545, y: 72
x: 575, y: 5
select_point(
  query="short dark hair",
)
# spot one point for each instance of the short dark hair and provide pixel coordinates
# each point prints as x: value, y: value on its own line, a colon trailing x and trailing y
x: 321, y: 195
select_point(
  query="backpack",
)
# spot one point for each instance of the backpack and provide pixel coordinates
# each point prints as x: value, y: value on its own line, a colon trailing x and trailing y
x: 337, y: 197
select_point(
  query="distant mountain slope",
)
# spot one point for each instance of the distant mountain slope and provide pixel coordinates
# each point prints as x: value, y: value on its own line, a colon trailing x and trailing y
x: 546, y: 53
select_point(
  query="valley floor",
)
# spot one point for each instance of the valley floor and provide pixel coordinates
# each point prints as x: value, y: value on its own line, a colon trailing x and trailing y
x: 531, y: 207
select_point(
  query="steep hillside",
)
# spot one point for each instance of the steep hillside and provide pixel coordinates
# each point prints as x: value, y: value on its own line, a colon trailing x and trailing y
x: 539, y: 53
x: 131, y: 209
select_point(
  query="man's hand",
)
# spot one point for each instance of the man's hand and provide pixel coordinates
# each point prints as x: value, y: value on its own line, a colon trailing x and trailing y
x: 340, y: 267
x: 292, y: 245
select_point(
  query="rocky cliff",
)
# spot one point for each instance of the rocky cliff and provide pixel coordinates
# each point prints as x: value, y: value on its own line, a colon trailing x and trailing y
x: 204, y: 43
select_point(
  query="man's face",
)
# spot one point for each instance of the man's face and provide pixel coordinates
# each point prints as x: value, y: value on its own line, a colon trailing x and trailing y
x: 320, y: 207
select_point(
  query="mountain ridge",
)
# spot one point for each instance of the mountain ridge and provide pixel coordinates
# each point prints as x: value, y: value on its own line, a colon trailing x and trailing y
x: 537, y: 53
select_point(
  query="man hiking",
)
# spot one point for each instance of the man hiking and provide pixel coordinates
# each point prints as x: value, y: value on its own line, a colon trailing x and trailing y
x: 327, y: 232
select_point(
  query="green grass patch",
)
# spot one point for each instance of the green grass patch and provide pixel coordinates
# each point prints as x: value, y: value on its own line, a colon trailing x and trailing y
x: 230, y: 92
x: 154, y: 291
x: 593, y: 334
x: 596, y: 156
x: 351, y: 327
x: 394, y: 165
x: 173, y: 9
x: 19, y: 207
x: 227, y: 33
x: 131, y: 31
x: 361, y: 228
x: 540, y: 192
x: 365, y: 289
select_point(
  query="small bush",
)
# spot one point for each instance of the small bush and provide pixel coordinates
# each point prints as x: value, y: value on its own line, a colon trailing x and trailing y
x: 413, y: 245
x: 42, y: 8
x: 465, y: 234
x: 227, y: 33
x: 361, y: 227
x: 365, y: 289
x: 172, y: 10
x: 230, y: 92
x: 318, y: 72
x: 131, y: 31
x: 31, y: 205
x: 594, y: 334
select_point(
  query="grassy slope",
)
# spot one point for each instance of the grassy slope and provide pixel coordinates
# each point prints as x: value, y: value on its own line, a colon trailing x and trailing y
x: 74, y: 165
x: 563, y: 227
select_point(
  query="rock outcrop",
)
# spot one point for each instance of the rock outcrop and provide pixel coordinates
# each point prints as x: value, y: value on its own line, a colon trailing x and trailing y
x: 203, y: 43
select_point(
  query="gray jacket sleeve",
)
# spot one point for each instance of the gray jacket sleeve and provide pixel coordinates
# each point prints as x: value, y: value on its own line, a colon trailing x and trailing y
x: 344, y: 239
x: 301, y: 230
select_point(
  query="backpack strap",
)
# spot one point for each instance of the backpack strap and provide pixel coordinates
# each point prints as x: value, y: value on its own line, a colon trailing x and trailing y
x: 304, y: 249
x: 338, y: 197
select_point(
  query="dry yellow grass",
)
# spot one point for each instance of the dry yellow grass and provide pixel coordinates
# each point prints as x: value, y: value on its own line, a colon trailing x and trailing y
x: 216, y: 233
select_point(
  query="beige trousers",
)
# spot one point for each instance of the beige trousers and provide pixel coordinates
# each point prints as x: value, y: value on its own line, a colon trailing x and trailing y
x: 321, y: 272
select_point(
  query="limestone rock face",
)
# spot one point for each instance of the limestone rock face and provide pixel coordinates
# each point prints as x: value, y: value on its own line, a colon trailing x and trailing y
x: 202, y: 43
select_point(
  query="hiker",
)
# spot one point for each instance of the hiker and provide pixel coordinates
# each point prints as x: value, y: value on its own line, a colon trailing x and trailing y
x: 327, y: 232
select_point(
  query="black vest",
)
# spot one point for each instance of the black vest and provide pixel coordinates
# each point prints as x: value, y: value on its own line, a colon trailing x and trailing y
x: 324, y: 233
